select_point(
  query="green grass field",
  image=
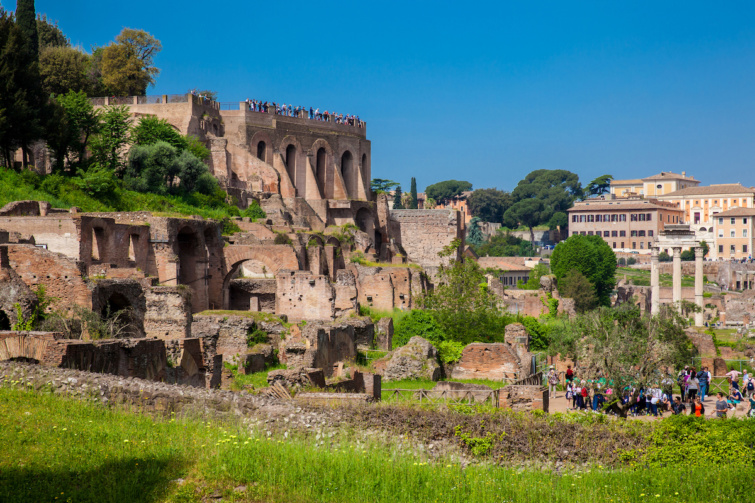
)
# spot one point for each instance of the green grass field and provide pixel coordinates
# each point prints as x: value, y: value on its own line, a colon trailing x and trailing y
x: 642, y: 278
x: 58, y: 449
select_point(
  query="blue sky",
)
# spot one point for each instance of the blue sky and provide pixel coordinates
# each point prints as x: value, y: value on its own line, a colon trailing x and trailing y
x: 485, y: 91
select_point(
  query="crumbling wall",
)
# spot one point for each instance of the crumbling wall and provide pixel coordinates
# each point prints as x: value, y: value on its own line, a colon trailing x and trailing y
x: 425, y: 233
x: 168, y: 312
x: 319, y: 346
x: 300, y: 295
x: 498, y: 361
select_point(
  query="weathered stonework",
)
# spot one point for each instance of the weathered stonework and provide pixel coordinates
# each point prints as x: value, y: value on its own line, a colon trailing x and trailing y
x: 418, y: 359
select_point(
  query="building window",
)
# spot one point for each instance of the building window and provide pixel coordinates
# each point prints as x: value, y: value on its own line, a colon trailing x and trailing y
x: 606, y: 234
x: 733, y: 234
x: 744, y: 220
x: 614, y: 218
x: 642, y: 245
x: 733, y: 220
x: 590, y: 218
x: 614, y: 245
x: 575, y: 233
x: 589, y: 233
x: 744, y: 233
x: 634, y: 245
x: 732, y: 249
x: 720, y: 233
x: 622, y: 234
x: 650, y: 244
x: 633, y: 234
x: 720, y: 220
x: 649, y: 217
x: 744, y: 248
x: 720, y: 248
x: 633, y: 217
x: 574, y: 218
x: 641, y: 234
x: 650, y: 233
x: 614, y: 234
x: 582, y: 233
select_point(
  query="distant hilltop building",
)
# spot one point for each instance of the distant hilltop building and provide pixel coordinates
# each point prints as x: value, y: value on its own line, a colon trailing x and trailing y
x: 652, y: 186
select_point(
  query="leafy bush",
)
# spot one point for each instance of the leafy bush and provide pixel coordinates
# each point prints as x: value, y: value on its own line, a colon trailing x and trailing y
x: 417, y: 323
x: 96, y: 181
x: 538, y: 333
x: 254, y: 211
x: 282, y: 238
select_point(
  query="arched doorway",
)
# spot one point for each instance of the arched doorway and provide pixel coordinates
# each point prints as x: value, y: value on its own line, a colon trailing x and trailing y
x: 291, y: 163
x: 191, y: 267
x: 320, y: 167
x: 366, y: 223
x: 347, y: 167
x: 261, y: 149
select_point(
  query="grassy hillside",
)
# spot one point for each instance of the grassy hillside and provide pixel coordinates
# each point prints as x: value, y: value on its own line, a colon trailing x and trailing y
x: 64, y: 192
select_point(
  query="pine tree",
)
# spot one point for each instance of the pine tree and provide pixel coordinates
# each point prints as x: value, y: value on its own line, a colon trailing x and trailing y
x: 26, y: 19
x: 474, y: 233
x: 397, y: 204
x: 413, y: 205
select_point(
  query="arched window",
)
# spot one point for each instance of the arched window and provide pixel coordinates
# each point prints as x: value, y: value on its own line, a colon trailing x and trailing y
x: 261, y: 149
x: 347, y: 168
x: 291, y: 163
x: 320, y: 169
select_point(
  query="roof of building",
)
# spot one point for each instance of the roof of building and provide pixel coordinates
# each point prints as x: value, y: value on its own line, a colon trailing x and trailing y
x: 668, y: 175
x: 636, y: 181
x: 503, y: 263
x: 737, y: 212
x: 620, y: 205
x: 710, y: 190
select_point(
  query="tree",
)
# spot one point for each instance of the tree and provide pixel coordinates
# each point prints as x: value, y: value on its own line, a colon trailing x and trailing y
x: 378, y: 185
x: 442, y: 192
x: 533, y: 282
x: 705, y: 247
x: 63, y: 69
x: 574, y: 285
x: 397, y: 203
x: 527, y: 212
x: 556, y: 189
x: 463, y: 305
x: 505, y: 244
x: 113, y: 136
x: 489, y: 204
x: 599, y: 186
x: 592, y: 257
x: 474, y: 233
x: 161, y: 168
x: 150, y: 130
x: 628, y: 349
x: 21, y: 98
x: 559, y: 221
x: 49, y: 35
x: 413, y: 191
x: 26, y: 19
x: 127, y: 65
x: 82, y: 118
x: 430, y: 203
x: 210, y: 95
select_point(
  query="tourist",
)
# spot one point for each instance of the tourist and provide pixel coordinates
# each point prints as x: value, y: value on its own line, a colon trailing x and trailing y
x: 569, y: 394
x: 552, y: 381
x: 722, y: 406
x: 702, y: 378
x: 751, y: 412
x: 569, y: 373
x: 677, y: 407
x: 735, y: 398
x: 733, y: 376
x: 681, y: 380
x: 697, y: 408
x: 693, y: 386
x: 749, y: 387
x: 577, y: 395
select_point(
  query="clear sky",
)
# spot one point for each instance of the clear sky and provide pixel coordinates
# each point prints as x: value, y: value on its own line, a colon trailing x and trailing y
x: 483, y: 91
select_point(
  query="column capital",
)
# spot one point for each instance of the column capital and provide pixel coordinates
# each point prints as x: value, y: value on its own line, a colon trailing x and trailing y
x: 677, y: 251
x: 699, y: 251
x: 655, y: 252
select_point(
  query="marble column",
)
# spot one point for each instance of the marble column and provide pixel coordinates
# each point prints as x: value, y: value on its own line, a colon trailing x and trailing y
x: 699, y: 276
x: 655, y: 282
x: 677, y: 278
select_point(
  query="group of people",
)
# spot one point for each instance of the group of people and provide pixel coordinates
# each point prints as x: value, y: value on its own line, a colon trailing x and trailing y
x: 297, y: 111
x: 591, y: 394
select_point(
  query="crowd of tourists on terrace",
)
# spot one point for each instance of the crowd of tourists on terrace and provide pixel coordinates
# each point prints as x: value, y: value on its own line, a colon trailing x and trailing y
x: 589, y: 394
x: 296, y: 111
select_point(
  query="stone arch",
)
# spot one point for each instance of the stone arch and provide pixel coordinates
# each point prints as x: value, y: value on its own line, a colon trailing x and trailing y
x: 23, y: 347
x: 348, y: 173
x: 293, y: 160
x: 272, y: 257
x: 365, y: 220
x: 261, y: 137
x: 323, y: 166
x: 124, y: 300
x: 703, y: 229
x: 191, y: 262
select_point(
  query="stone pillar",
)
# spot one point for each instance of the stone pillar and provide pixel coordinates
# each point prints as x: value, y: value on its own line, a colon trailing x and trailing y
x: 677, y: 278
x: 699, y: 285
x: 655, y: 282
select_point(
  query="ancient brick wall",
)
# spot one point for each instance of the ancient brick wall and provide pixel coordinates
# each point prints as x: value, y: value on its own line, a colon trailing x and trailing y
x: 495, y: 362
x: 60, y: 275
x: 301, y: 295
x: 424, y: 233
x: 524, y: 398
x: 168, y: 312
x: 59, y: 233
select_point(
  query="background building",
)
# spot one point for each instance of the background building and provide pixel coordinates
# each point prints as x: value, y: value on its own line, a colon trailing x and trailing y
x: 733, y: 230
x: 652, y: 186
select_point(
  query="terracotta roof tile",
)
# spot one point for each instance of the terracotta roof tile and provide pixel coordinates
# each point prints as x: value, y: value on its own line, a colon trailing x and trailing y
x: 711, y: 190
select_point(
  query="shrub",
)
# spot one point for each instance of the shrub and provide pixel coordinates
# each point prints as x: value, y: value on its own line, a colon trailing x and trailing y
x: 282, y: 239
x: 254, y: 211
x: 417, y: 323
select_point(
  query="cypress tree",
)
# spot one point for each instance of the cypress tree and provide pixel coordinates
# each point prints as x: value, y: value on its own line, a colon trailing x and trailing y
x: 397, y: 204
x: 414, y: 194
x: 26, y: 19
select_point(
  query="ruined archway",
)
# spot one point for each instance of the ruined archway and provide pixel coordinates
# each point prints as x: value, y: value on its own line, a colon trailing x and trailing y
x: 191, y: 266
x: 259, y: 264
x: 261, y: 151
x: 321, y: 169
x: 366, y: 223
x: 291, y: 164
x: 347, y: 173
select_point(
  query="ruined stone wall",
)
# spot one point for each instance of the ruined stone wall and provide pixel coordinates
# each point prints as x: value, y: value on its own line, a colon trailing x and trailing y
x: 739, y: 306
x: 168, y: 312
x: 320, y: 346
x: 424, y: 233
x: 300, y: 295
x: 60, y: 275
x: 60, y: 234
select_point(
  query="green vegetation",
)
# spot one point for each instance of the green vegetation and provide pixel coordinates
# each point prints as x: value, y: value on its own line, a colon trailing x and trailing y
x: 380, y: 185
x: 359, y: 258
x: 642, y: 278
x: 593, y: 258
x: 504, y: 244
x: 427, y: 384
x: 256, y: 381
x: 255, y: 315
x: 62, y: 448
x: 489, y: 205
x: 444, y: 191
